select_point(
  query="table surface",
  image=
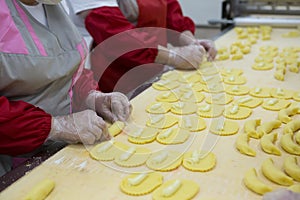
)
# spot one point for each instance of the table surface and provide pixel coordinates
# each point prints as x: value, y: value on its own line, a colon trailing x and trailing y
x: 77, y: 176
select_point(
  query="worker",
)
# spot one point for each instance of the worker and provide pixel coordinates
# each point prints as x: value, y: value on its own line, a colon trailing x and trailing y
x: 147, y: 49
x: 45, y: 92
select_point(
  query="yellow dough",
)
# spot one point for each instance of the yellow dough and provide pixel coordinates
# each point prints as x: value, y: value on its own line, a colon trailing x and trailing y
x: 291, y: 126
x: 219, y: 98
x: 224, y: 128
x: 291, y: 168
x: 264, y: 59
x: 294, y: 188
x: 165, y: 85
x: 211, y: 79
x: 41, y: 190
x: 284, y: 114
x: 287, y: 143
x: 250, y: 127
x: 171, y: 75
x: 192, y: 123
x: 142, y: 135
x: 207, y: 68
x: 190, y: 78
x: 279, y: 74
x: 235, y: 80
x: 162, y: 121
x: 297, y: 137
x: 254, y: 184
x: 173, y: 136
x: 223, y: 56
x: 141, y: 183
x: 281, y: 93
x: 164, y: 160
x: 158, y: 108
x: 237, y: 90
x: 250, y: 102
x: 237, y: 112
x: 210, y: 110
x: 178, y: 189
x: 267, y: 144
x: 263, y: 66
x: 116, y: 128
x: 132, y: 156
x: 260, y: 92
x: 184, y: 108
x: 191, y: 96
x: 242, y: 145
x: 231, y: 72
x: 168, y: 97
x: 267, y: 127
x: 274, y: 174
x: 214, y: 87
x: 296, y: 96
x: 199, y: 161
x: 106, y: 151
x: 275, y: 104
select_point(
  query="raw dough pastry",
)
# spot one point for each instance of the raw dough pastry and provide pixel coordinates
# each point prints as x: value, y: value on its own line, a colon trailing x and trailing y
x: 171, y: 75
x: 291, y: 126
x: 250, y: 102
x: 214, y: 87
x: 288, y: 144
x: 192, y: 123
x: 267, y: 144
x: 281, y: 93
x: 219, y: 98
x: 237, y: 90
x: 191, y: 96
x: 116, y: 128
x: 142, y: 135
x: 164, y: 160
x: 242, y: 145
x: 267, y: 127
x: 237, y: 112
x: 162, y: 121
x: 224, y: 127
x: 260, y: 92
x: 237, y: 56
x: 132, y: 156
x: 207, y: 68
x: 264, y: 59
x: 262, y: 66
x: 210, y: 110
x: 231, y: 72
x: 235, y: 80
x: 165, y: 85
x: 41, y: 190
x: 106, y: 151
x: 199, y: 161
x: 275, y: 104
x: 184, y: 108
x: 284, y: 114
x: 194, y: 87
x: 190, y: 78
x: 173, y: 136
x: 250, y: 127
x: 254, y: 184
x: 168, y: 97
x: 178, y: 189
x: 159, y: 107
x: 291, y: 167
x: 210, y: 80
x: 296, y: 96
x: 141, y: 183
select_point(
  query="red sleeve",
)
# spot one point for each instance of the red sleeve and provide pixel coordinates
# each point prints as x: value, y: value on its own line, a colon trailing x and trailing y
x: 105, y: 22
x: 81, y: 89
x: 23, y: 127
x: 176, y: 20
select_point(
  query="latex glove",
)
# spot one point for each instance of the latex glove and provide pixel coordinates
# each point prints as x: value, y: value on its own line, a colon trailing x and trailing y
x: 85, y: 127
x: 281, y: 195
x: 186, y: 38
x: 113, y: 106
x: 210, y: 48
x: 186, y: 57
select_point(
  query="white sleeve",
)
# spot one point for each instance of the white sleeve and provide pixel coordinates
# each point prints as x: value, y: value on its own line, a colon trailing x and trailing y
x: 82, y: 5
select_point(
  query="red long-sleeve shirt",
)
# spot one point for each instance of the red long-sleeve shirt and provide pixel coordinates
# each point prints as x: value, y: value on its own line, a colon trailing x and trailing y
x: 105, y: 22
x: 25, y: 127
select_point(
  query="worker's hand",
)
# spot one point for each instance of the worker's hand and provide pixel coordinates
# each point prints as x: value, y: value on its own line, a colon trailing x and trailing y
x: 282, y: 194
x: 209, y: 47
x: 186, y: 57
x: 113, y: 106
x: 85, y: 127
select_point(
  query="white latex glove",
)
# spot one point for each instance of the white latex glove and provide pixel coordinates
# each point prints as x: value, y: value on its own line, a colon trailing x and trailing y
x: 186, y: 57
x: 281, y: 195
x: 210, y: 48
x: 85, y: 127
x: 113, y: 106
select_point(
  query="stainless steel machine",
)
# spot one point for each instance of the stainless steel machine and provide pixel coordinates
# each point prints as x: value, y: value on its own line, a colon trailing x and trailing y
x: 283, y: 13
